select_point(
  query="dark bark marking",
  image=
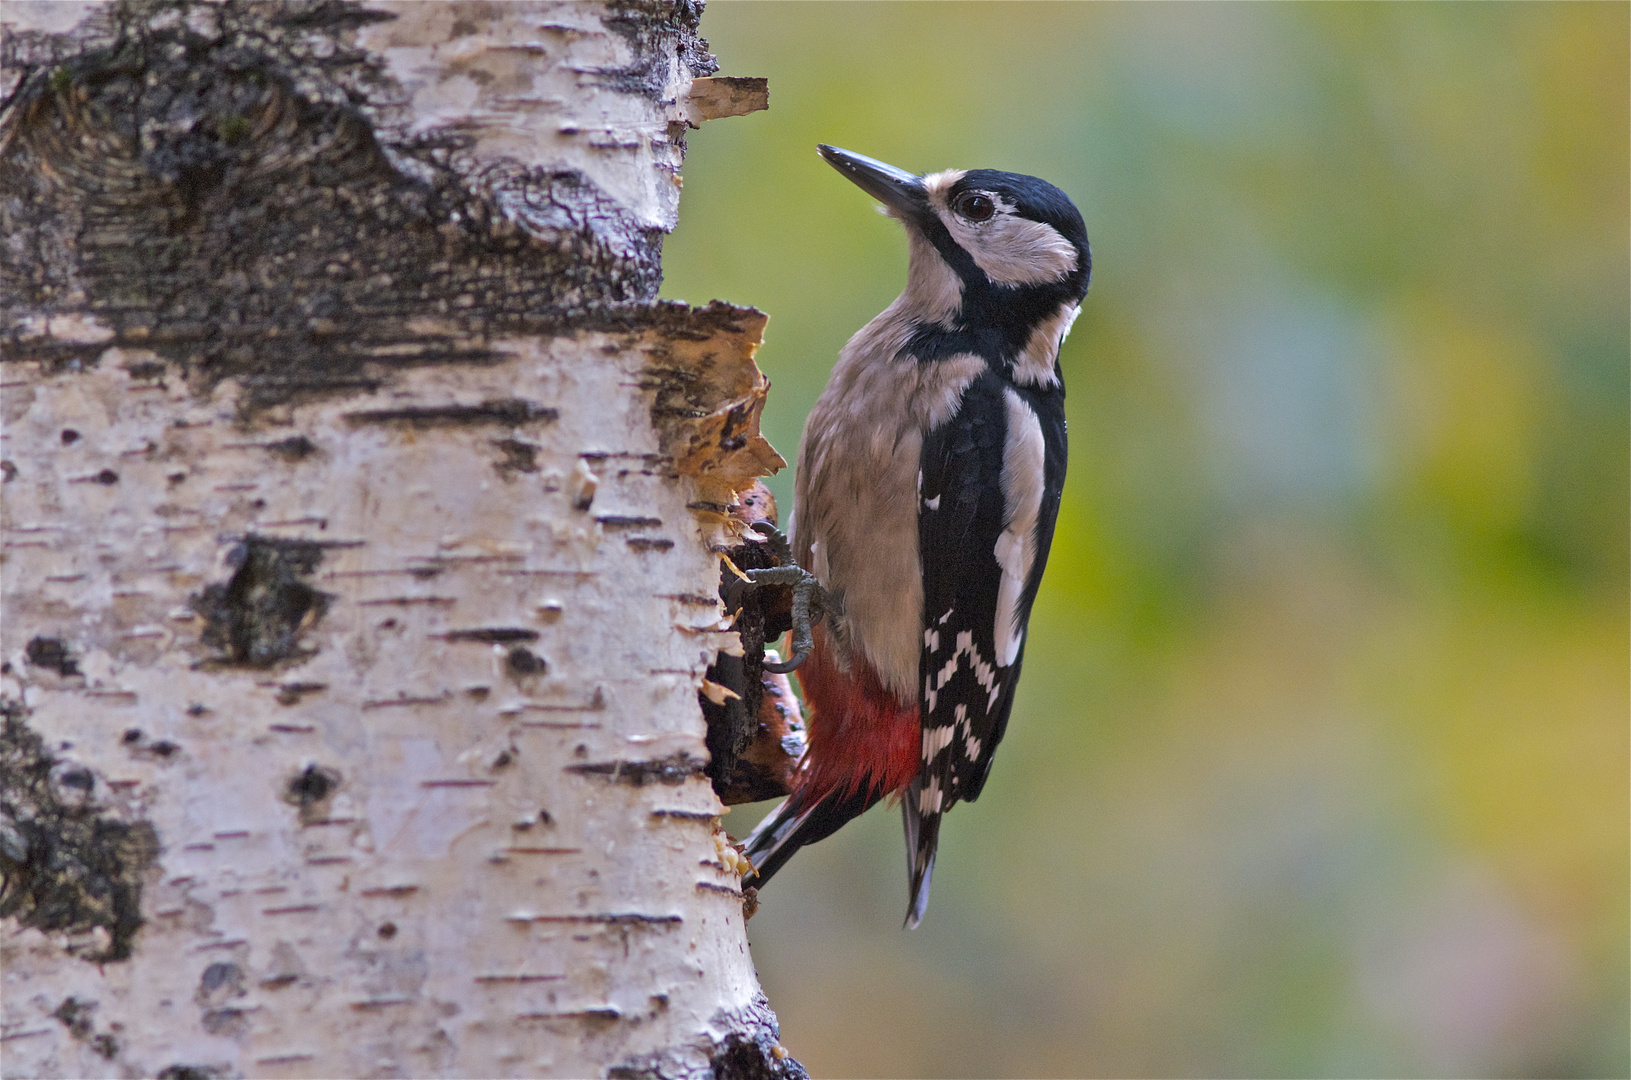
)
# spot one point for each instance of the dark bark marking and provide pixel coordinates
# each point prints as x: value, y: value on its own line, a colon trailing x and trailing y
x: 256, y: 618
x: 206, y: 189
x: 311, y: 785
x: 508, y: 411
x: 66, y: 863
x: 672, y: 770
x: 50, y: 652
x: 519, y: 457
x: 750, y: 1050
x: 492, y: 635
x: 291, y: 693
x: 75, y: 1015
x: 521, y: 663
x: 219, y: 983
x: 609, y: 919
x: 617, y: 521
x: 686, y: 815
x: 194, y: 1072
x: 311, y: 792
x: 294, y: 448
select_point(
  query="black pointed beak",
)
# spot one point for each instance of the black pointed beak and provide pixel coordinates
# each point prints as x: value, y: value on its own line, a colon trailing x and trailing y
x: 897, y: 189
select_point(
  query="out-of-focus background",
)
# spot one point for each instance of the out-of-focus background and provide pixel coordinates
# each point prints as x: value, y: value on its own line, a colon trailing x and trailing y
x: 1319, y: 764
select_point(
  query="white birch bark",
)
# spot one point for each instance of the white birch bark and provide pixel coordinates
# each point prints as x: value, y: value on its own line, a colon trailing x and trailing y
x: 354, y: 628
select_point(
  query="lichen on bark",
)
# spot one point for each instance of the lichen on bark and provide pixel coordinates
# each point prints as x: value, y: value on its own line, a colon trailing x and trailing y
x: 223, y: 184
x: 67, y: 862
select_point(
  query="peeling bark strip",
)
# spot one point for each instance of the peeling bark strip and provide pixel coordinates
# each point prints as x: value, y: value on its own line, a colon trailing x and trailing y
x: 334, y: 399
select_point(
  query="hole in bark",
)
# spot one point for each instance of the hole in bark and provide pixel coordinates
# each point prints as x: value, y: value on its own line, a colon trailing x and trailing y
x: 69, y: 437
x: 387, y: 930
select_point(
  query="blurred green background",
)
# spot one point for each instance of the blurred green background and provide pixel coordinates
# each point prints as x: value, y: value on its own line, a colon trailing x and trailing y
x: 1319, y: 765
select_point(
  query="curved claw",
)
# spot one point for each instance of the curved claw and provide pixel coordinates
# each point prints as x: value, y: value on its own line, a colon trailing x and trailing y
x: 807, y: 605
x: 776, y: 541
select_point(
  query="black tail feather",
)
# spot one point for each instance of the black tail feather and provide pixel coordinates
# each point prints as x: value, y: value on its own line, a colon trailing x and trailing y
x: 922, y: 838
x: 791, y: 826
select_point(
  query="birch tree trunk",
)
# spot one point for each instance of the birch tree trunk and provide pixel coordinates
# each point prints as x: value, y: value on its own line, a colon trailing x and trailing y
x: 361, y: 509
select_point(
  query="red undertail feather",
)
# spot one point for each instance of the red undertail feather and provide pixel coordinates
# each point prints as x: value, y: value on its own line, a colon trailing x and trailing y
x: 860, y: 735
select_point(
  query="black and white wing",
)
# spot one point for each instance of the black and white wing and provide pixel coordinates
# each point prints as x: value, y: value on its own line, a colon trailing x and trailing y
x: 989, y: 497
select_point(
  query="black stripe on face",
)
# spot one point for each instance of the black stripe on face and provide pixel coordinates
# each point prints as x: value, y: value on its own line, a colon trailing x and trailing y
x: 994, y: 321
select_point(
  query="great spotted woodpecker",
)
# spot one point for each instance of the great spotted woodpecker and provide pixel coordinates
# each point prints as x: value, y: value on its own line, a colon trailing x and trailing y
x: 928, y: 484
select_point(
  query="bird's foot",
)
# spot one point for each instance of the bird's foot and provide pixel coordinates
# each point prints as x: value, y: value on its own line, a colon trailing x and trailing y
x: 808, y: 595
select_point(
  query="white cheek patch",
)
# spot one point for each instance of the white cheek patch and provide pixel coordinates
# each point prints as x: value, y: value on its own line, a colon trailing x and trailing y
x: 1015, y: 550
x: 1016, y: 251
x: 1012, y: 250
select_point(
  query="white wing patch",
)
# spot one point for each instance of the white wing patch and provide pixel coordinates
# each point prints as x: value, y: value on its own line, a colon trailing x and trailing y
x: 1022, y: 476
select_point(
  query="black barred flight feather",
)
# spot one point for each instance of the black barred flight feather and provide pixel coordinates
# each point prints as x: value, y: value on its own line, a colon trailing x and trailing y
x: 970, y: 664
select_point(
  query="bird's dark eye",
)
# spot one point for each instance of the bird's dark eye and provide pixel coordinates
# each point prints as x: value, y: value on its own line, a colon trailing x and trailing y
x: 974, y: 206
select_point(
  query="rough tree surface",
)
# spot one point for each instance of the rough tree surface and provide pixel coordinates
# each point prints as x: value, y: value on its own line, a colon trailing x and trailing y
x: 360, y: 508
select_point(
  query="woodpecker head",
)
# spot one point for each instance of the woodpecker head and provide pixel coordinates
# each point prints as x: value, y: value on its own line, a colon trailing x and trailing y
x: 996, y: 257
